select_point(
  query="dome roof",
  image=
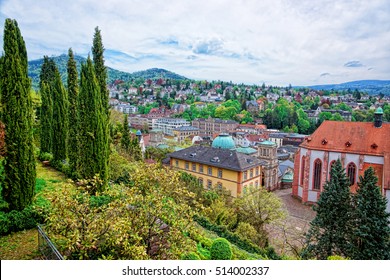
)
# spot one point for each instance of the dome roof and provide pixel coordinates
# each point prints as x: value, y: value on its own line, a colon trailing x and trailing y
x: 379, y: 111
x: 223, y: 141
x: 138, y: 133
x: 268, y: 143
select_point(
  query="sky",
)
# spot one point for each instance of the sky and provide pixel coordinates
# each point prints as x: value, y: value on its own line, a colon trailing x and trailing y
x: 276, y: 42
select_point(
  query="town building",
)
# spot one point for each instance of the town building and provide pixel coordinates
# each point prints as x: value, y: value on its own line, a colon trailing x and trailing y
x: 359, y: 145
x: 267, y: 152
x: 167, y: 125
x: 219, y: 165
x: 185, y: 132
x: 210, y: 126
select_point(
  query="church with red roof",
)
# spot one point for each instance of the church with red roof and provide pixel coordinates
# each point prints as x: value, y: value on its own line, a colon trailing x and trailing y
x: 358, y: 145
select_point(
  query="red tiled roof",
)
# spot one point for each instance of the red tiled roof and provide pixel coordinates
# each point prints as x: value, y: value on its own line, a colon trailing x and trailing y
x: 350, y: 137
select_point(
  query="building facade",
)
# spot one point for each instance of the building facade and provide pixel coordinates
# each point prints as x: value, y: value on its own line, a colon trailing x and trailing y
x: 219, y: 166
x: 359, y: 145
x: 168, y: 125
x: 210, y: 126
x: 183, y: 132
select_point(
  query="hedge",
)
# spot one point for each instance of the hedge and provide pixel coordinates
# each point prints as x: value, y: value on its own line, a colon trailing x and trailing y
x: 246, y: 245
x: 15, y: 221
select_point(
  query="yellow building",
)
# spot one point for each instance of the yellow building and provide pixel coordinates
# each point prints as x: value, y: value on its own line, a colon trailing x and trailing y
x: 219, y: 165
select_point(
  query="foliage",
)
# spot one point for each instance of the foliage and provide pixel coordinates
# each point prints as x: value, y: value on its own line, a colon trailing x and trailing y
x: 92, y: 135
x: 144, y: 220
x: 45, y: 157
x: 247, y: 231
x: 330, y: 232
x: 258, y: 207
x: 73, y: 94
x: 190, y: 256
x: 15, y: 221
x: 371, y: 233
x: 125, y: 140
x: 60, y: 122
x: 221, y: 250
x: 17, y: 116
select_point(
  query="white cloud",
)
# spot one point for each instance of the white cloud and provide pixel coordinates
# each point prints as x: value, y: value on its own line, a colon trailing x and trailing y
x: 275, y: 41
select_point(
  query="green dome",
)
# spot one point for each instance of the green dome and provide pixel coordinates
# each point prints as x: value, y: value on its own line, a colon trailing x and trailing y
x: 379, y: 111
x: 268, y: 143
x: 288, y: 177
x: 224, y: 141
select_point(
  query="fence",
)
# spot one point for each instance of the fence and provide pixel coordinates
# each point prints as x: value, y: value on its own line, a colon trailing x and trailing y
x: 46, y: 247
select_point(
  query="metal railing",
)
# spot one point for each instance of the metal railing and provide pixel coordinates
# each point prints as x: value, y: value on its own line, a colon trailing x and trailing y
x: 46, y: 247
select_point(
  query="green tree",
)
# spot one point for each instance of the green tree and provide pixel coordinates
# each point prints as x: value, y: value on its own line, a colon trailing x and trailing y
x: 330, y: 230
x: 259, y: 207
x: 221, y: 250
x: 60, y: 120
x: 125, y: 140
x: 17, y: 115
x: 47, y: 78
x: 372, y: 231
x: 73, y: 94
x: 92, y: 134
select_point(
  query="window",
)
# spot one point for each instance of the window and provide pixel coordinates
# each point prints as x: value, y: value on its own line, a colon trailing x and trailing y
x: 187, y: 165
x: 351, y: 173
x: 245, y: 175
x: 194, y: 167
x: 251, y: 173
x: 209, y: 184
x: 256, y: 184
x: 200, y: 168
x: 177, y: 163
x: 257, y: 171
x: 210, y: 171
x: 219, y: 185
x: 200, y: 180
x: 219, y: 173
x: 317, y: 174
x: 303, y: 169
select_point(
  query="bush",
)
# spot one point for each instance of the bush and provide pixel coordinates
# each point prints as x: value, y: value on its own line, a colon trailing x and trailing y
x: 45, y: 156
x: 15, y: 221
x: 221, y: 250
x: 190, y: 256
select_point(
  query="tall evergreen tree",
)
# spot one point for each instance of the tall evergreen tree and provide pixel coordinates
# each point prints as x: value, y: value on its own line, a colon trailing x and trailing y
x: 60, y: 120
x: 19, y: 167
x: 73, y: 92
x: 330, y: 230
x: 372, y: 231
x: 93, y: 136
x: 47, y: 78
x: 125, y: 140
x: 100, y: 68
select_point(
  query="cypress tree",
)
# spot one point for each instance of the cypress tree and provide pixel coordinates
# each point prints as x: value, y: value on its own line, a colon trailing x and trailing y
x: 19, y: 167
x: 125, y: 140
x: 47, y: 77
x: 60, y: 120
x: 330, y: 230
x: 100, y: 69
x: 101, y: 76
x: 92, y: 135
x: 73, y: 92
x: 372, y: 231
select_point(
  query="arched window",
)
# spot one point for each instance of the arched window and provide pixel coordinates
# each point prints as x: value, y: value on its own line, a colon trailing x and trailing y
x: 303, y: 169
x: 351, y: 173
x: 317, y: 174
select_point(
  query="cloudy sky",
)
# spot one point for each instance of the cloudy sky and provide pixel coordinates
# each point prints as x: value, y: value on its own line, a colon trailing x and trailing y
x: 279, y: 42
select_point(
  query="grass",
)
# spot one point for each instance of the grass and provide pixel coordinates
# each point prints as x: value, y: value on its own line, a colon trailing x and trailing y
x: 23, y: 245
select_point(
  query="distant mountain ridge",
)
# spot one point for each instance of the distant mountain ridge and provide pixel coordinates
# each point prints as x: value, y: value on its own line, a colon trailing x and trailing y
x: 371, y: 87
x: 34, y: 69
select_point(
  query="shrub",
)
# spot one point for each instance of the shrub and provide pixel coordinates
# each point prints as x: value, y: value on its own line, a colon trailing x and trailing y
x: 221, y: 250
x: 15, y: 221
x: 45, y: 156
x: 190, y: 256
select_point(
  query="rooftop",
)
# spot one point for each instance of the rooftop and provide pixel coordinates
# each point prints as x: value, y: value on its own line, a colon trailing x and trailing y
x: 223, y: 141
x: 221, y: 158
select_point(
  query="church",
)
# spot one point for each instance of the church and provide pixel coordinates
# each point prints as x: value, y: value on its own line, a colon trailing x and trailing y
x: 359, y: 145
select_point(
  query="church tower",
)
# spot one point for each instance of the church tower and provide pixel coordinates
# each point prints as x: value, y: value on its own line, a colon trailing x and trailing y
x: 266, y: 151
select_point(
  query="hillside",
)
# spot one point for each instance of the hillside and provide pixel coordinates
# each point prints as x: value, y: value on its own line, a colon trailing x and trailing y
x: 34, y: 69
x: 372, y: 87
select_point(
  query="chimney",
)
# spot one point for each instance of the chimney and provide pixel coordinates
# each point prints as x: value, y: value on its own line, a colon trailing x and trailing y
x: 378, y: 115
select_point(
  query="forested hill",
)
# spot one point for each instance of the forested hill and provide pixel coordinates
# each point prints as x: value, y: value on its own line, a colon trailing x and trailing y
x: 34, y: 69
x: 369, y: 86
